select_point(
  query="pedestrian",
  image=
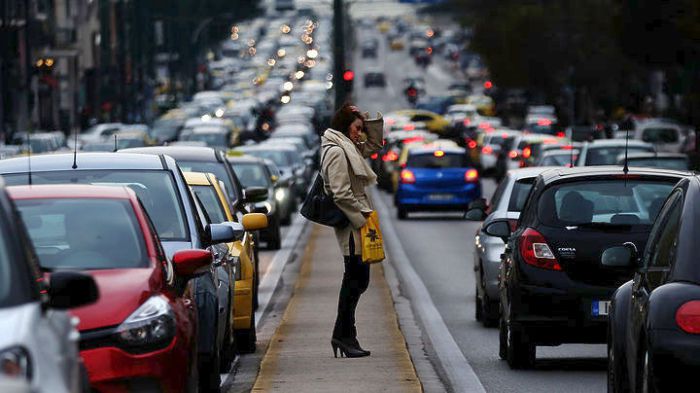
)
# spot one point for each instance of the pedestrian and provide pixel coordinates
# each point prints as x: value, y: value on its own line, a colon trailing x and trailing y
x: 346, y: 174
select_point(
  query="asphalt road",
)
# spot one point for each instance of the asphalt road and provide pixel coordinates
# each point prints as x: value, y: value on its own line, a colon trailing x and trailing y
x: 449, y: 277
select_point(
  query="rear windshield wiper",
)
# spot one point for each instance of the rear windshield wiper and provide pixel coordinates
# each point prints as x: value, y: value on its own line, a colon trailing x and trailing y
x: 600, y: 225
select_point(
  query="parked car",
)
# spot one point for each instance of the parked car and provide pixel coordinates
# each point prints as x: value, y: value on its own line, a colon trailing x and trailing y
x: 39, y: 344
x: 177, y: 217
x: 241, y: 256
x: 507, y: 203
x: 287, y: 160
x: 559, y: 157
x: 606, y: 151
x: 436, y: 178
x: 553, y: 287
x: 374, y: 79
x: 142, y: 333
x: 284, y: 192
x: 653, y: 331
x: 676, y: 161
x: 252, y: 172
x: 665, y: 134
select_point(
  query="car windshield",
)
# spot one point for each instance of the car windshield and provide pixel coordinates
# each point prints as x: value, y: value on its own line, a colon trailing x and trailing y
x: 608, y: 155
x: 252, y: 175
x: 563, y: 159
x: 277, y: 156
x: 213, y: 139
x: 84, y: 234
x: 521, y: 190
x: 218, y: 169
x: 660, y: 135
x: 679, y: 164
x: 155, y: 189
x: 210, y: 200
x: 166, y: 128
x: 604, y: 203
x: 436, y: 161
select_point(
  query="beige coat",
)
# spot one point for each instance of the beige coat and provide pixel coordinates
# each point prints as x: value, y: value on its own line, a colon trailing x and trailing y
x: 348, y: 190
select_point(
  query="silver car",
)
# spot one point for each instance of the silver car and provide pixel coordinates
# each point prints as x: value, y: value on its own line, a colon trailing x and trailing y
x: 507, y: 201
x: 38, y: 338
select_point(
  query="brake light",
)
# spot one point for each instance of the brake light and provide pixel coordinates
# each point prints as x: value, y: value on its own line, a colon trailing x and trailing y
x: 390, y: 156
x: 407, y: 177
x: 536, y: 252
x: 487, y: 150
x: 527, y: 152
x: 439, y: 153
x: 472, y: 144
x: 688, y: 317
x: 560, y: 134
x: 414, y: 139
x: 513, y: 154
x: 412, y: 92
x: 567, y: 147
x: 409, y: 127
x: 550, y: 141
x: 471, y: 175
x: 467, y: 122
x: 374, y: 156
x: 544, y: 122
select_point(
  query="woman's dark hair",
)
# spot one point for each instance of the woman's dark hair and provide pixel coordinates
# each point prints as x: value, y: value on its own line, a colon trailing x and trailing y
x: 344, y: 117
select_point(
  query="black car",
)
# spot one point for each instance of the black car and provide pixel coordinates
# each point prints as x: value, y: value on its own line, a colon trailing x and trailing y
x: 375, y: 79
x: 369, y: 48
x: 553, y: 287
x: 654, y: 340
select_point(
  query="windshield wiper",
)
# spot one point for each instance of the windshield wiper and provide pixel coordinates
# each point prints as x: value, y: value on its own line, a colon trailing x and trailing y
x: 600, y: 225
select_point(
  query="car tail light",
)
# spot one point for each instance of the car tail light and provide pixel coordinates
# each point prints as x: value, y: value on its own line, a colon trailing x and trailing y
x: 471, y: 175
x: 487, y: 150
x: 407, y: 177
x: 560, y: 134
x: 544, y: 122
x: 390, y: 156
x: 688, y: 317
x: 439, y: 153
x: 536, y: 252
x: 527, y: 152
x: 409, y: 127
x: 374, y: 156
x: 513, y: 154
x: 466, y: 122
x: 412, y: 92
x: 472, y: 144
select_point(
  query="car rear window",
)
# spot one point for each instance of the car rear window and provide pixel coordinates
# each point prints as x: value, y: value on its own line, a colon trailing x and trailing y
x: 558, y: 160
x: 218, y: 169
x: 521, y: 190
x: 436, y: 161
x: 252, y: 175
x: 608, y: 155
x: 660, y: 135
x: 604, y: 203
x: 84, y: 234
x: 680, y: 164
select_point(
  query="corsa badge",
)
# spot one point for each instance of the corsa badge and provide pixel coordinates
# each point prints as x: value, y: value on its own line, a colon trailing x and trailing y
x: 567, y: 252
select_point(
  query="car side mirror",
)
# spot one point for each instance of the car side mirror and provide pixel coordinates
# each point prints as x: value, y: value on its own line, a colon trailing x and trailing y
x: 620, y: 256
x: 475, y: 214
x: 220, y: 233
x: 254, y: 221
x: 255, y: 194
x: 71, y: 290
x: 498, y: 228
x: 191, y: 263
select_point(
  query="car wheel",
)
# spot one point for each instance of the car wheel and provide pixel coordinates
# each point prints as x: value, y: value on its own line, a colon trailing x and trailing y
x: 275, y: 241
x: 520, y: 353
x: 648, y: 384
x: 487, y: 311
x: 616, y: 379
x: 401, y: 212
x: 478, y: 307
x: 502, y: 337
x: 246, y: 339
x: 228, y: 350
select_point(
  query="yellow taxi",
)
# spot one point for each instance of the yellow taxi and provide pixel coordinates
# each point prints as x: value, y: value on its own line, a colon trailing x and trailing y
x: 483, y: 103
x: 384, y: 26
x: 396, y: 44
x: 433, y: 121
x: 212, y: 196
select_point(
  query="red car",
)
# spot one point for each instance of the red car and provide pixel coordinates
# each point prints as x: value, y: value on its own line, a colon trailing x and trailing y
x: 141, y: 333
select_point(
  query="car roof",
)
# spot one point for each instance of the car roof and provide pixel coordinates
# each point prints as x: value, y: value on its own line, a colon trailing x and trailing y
x: 190, y: 153
x: 656, y: 155
x: 267, y: 146
x: 70, y: 191
x: 553, y: 152
x: 84, y: 161
x: 244, y: 160
x: 531, y: 171
x: 616, y: 142
x: 606, y: 170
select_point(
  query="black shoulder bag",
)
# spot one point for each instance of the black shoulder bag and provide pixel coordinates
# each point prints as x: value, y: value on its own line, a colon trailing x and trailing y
x: 320, y: 207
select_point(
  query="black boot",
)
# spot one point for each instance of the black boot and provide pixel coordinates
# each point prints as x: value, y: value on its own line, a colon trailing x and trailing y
x: 347, y: 348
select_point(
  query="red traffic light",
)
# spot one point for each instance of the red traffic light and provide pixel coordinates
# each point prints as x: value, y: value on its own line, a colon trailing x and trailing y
x: 348, y: 76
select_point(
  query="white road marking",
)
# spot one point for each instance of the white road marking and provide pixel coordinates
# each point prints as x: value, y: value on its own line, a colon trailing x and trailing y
x: 459, y: 372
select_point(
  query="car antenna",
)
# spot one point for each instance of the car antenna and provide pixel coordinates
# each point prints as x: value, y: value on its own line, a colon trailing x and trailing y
x: 29, y: 159
x: 625, y: 168
x: 75, y: 151
x: 115, y: 143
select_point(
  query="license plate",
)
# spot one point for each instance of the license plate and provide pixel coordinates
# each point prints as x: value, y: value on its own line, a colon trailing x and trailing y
x: 440, y: 197
x: 600, y: 308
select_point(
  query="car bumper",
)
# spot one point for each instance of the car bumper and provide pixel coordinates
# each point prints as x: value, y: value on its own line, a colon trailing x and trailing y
x: 554, y: 316
x: 437, y: 198
x: 113, y: 370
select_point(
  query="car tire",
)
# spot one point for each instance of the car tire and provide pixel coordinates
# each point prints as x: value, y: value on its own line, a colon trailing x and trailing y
x: 246, y: 339
x: 210, y: 374
x: 646, y: 373
x: 617, y: 382
x: 228, y: 350
x: 478, y: 307
x: 401, y: 212
x: 520, y: 354
x: 502, y: 339
x: 487, y: 312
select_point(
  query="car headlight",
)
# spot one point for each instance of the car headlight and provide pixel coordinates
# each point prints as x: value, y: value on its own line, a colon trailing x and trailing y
x: 150, y: 327
x: 280, y: 194
x: 15, y: 363
x: 236, y: 262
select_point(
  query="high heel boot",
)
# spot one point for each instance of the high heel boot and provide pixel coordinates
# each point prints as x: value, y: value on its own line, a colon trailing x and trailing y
x: 347, y: 348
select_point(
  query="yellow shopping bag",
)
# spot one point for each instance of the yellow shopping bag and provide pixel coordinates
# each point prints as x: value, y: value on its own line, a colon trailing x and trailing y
x: 372, y: 241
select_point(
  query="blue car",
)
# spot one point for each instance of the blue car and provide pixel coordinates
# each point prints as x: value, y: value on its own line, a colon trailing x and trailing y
x: 436, y: 179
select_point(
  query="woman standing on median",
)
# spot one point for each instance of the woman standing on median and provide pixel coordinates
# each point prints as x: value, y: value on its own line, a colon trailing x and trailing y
x: 346, y: 174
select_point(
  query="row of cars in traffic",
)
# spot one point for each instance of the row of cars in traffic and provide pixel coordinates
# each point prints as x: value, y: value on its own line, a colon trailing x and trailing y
x: 136, y: 267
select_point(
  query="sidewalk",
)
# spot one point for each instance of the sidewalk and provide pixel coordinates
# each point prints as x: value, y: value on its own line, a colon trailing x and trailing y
x: 300, y: 358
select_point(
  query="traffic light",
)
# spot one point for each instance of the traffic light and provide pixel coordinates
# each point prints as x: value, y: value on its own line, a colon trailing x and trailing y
x: 348, y: 80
